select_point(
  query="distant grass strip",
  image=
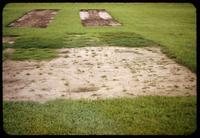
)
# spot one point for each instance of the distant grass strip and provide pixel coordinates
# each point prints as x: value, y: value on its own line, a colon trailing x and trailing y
x: 109, y: 39
x: 36, y: 42
x: 84, y: 39
x: 137, y: 116
x: 31, y: 53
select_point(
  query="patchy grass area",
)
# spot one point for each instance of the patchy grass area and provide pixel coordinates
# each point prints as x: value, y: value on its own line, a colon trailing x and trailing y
x: 107, y: 39
x: 84, y: 39
x: 143, y: 115
x: 30, y: 53
x: 171, y: 25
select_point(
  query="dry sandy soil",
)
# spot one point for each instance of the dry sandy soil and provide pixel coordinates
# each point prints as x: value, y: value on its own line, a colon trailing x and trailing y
x: 97, y: 73
x: 38, y: 18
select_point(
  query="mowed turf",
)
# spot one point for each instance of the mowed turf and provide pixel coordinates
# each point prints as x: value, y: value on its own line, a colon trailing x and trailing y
x: 136, y: 116
x: 170, y: 26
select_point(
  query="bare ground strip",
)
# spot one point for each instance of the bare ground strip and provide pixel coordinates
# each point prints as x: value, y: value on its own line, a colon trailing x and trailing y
x: 10, y: 39
x: 38, y: 18
x: 97, y: 17
x: 97, y: 73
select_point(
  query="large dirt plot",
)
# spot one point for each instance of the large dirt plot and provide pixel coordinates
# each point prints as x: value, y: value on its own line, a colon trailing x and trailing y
x: 97, y: 73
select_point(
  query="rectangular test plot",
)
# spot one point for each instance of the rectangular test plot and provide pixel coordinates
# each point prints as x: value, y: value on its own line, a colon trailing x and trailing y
x: 97, y: 17
x: 39, y: 18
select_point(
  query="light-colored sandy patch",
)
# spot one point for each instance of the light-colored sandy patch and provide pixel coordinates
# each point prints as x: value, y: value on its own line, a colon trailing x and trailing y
x: 9, y: 50
x: 84, y: 15
x: 9, y: 39
x: 97, y: 73
x: 104, y: 15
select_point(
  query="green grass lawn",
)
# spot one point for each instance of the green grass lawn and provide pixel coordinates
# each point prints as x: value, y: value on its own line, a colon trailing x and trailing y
x: 137, y: 116
x: 168, y: 25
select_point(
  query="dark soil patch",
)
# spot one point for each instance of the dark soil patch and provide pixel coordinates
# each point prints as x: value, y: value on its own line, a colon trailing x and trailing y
x: 97, y: 17
x: 86, y: 89
x: 39, y: 18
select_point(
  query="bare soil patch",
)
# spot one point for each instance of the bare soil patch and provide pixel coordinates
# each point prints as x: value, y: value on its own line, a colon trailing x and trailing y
x: 9, y: 50
x: 10, y: 39
x: 38, y: 18
x: 97, y: 17
x: 113, y: 72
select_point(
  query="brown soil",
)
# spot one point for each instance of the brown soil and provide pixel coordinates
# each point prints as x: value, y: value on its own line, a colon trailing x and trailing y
x: 95, y: 20
x: 9, y: 39
x: 38, y: 18
x: 113, y: 72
